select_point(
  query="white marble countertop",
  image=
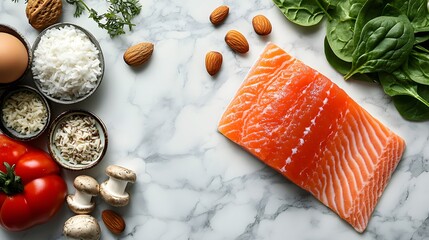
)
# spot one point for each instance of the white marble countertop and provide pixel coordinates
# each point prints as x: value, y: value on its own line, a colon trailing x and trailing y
x: 192, y: 182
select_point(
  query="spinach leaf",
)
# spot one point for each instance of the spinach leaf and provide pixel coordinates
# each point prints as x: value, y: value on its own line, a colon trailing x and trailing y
x: 338, y: 64
x: 410, y: 98
x: 421, y: 37
x: 417, y: 67
x: 417, y: 12
x: 421, y: 48
x: 355, y: 7
x: 302, y: 12
x: 411, y: 108
x: 340, y: 38
x: 400, y: 86
x: 384, y: 45
x: 340, y: 28
x: 391, y: 10
x: 370, y: 10
x: 344, y: 67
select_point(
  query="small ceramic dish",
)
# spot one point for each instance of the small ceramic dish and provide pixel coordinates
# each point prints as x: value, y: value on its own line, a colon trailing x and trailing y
x: 100, y: 57
x: 20, y: 37
x: 12, y: 112
x: 75, y: 141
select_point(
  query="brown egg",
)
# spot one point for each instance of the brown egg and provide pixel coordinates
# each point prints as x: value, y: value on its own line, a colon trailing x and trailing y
x: 13, y: 58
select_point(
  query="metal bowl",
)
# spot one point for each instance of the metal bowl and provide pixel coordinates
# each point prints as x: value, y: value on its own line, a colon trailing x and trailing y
x: 100, y: 56
x: 56, y: 153
x: 12, y: 132
x: 10, y: 30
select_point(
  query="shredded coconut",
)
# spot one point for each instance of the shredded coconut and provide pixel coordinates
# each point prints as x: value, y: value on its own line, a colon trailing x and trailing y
x: 78, y: 140
x: 24, y: 112
x: 66, y: 63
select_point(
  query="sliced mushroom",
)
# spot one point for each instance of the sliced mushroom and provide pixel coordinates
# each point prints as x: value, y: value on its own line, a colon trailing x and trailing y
x: 82, y: 227
x: 81, y: 202
x: 113, y: 189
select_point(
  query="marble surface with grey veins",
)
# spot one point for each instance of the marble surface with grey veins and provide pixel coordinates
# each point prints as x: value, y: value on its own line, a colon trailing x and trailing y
x: 192, y: 182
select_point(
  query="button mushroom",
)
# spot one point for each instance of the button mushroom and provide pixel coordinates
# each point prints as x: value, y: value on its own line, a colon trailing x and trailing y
x: 113, y: 190
x: 82, y: 227
x: 81, y: 202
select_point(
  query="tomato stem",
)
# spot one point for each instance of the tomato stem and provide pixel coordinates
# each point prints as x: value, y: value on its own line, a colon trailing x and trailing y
x: 9, y: 182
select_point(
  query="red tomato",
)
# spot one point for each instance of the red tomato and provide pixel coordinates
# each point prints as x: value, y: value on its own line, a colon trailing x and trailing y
x: 37, y: 191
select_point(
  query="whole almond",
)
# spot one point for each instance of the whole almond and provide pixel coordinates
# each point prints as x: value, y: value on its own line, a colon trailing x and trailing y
x: 43, y: 13
x: 236, y: 41
x: 138, y: 54
x: 261, y: 25
x: 213, y: 62
x: 219, y: 15
x: 113, y: 221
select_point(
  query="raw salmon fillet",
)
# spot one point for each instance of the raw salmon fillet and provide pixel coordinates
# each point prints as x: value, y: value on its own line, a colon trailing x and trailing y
x: 300, y: 123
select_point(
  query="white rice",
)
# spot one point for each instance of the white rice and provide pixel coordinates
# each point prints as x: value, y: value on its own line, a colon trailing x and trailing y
x: 25, y: 113
x: 66, y: 63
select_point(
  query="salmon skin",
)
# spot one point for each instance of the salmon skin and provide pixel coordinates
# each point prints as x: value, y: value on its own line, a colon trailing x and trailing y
x: 301, y: 124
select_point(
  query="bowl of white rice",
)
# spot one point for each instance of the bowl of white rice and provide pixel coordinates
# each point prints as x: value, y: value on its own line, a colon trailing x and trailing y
x: 25, y: 113
x: 68, y: 63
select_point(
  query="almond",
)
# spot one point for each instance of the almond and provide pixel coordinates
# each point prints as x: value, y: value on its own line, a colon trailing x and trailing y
x: 213, y: 62
x: 219, y: 15
x: 262, y: 25
x: 113, y: 221
x: 43, y: 13
x: 138, y: 54
x: 236, y: 41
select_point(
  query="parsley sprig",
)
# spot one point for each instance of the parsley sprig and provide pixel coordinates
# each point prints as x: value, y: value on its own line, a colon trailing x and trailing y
x: 118, y: 16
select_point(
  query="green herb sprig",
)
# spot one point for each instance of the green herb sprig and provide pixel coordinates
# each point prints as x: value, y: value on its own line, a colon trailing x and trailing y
x: 119, y: 15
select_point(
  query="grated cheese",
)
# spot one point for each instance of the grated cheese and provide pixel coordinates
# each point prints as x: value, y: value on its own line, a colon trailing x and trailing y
x: 66, y: 63
x: 24, y: 112
x: 78, y: 140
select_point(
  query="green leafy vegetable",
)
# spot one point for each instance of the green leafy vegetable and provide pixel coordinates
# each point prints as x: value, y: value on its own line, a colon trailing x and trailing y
x: 302, y: 12
x: 410, y: 108
x: 338, y: 64
x: 384, y: 45
x: 421, y: 48
x: 391, y: 10
x: 344, y: 67
x: 394, y: 86
x: 340, y: 31
x: 340, y: 27
x: 421, y: 37
x: 415, y: 96
x: 384, y: 41
x: 369, y: 11
x: 417, y: 12
x: 417, y: 67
